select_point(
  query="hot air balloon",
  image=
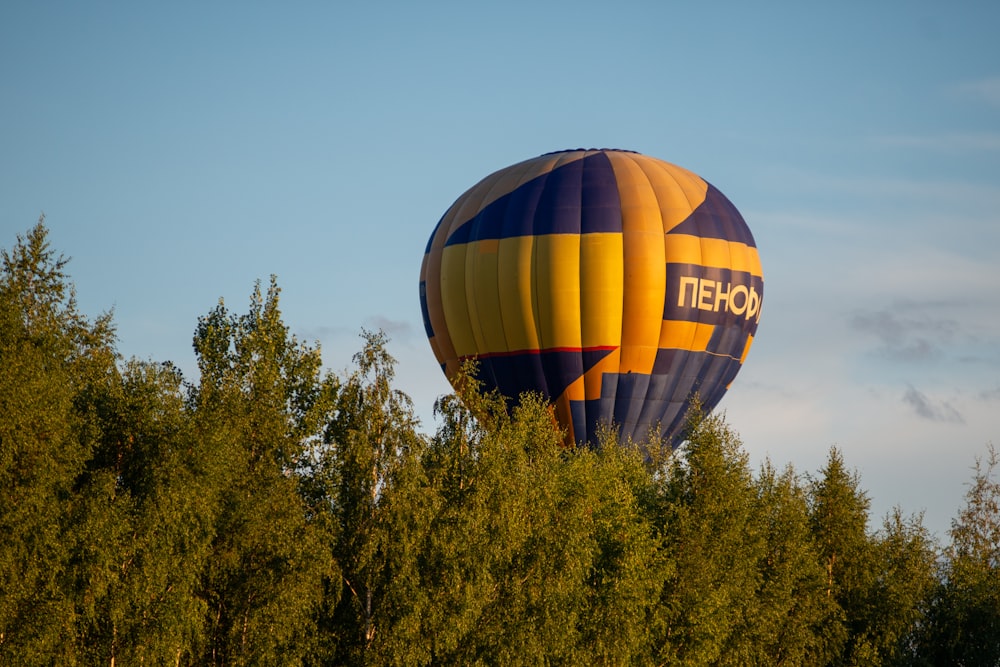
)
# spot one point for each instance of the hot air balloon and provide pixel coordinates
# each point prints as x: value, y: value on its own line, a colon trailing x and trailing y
x: 617, y: 285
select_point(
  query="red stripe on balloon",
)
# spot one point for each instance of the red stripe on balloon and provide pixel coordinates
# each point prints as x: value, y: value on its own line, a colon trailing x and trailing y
x: 514, y: 353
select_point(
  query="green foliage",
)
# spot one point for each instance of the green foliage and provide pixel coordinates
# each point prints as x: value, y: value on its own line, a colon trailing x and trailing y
x: 529, y: 552
x: 143, y: 531
x: 272, y: 513
x: 708, y: 508
x: 880, y: 583
x: 745, y: 588
x: 260, y: 403
x: 371, y: 447
x: 794, y: 609
x: 964, y: 623
x: 49, y: 355
x: 839, y: 519
x: 905, y: 559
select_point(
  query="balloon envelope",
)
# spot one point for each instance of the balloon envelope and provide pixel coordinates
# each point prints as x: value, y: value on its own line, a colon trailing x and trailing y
x: 617, y: 285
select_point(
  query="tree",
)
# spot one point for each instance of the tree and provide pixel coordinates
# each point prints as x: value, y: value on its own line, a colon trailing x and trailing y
x: 522, y: 543
x: 536, y: 553
x: 880, y: 582
x: 964, y: 623
x: 708, y: 513
x: 143, y: 527
x: 260, y: 403
x: 49, y: 355
x: 793, y: 605
x: 492, y: 543
x: 276, y: 514
x: 629, y: 561
x: 904, y: 560
x: 839, y: 519
x: 370, y: 449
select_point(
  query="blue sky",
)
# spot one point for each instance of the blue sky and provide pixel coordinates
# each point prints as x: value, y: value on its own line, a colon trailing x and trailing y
x: 182, y: 151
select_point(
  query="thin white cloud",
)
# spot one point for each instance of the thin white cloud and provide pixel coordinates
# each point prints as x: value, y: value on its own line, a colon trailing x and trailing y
x: 984, y: 90
x: 943, y: 193
x: 919, y: 200
x: 914, y: 273
x: 952, y: 142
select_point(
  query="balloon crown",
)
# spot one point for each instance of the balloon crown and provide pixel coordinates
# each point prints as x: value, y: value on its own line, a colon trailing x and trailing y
x: 577, y: 150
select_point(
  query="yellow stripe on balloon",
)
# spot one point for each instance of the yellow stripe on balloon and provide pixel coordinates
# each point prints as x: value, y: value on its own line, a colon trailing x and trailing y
x: 515, y: 275
x: 602, y: 286
x: 483, y: 295
x: 454, y: 301
x: 715, y: 253
x: 684, y: 335
x: 602, y: 290
x: 643, y: 259
x: 557, y: 290
x: 744, y: 258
